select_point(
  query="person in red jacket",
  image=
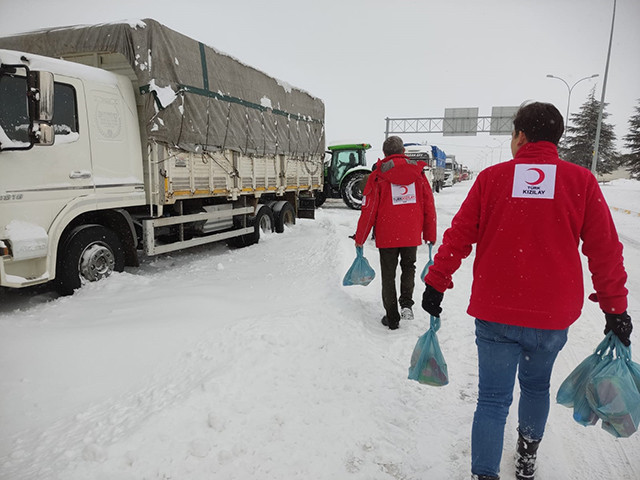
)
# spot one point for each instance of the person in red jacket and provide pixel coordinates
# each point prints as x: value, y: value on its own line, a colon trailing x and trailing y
x: 527, y: 218
x: 397, y: 201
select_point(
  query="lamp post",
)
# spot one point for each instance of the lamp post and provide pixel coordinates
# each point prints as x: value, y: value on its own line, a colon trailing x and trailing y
x: 594, y: 160
x: 501, y: 147
x: 570, y: 88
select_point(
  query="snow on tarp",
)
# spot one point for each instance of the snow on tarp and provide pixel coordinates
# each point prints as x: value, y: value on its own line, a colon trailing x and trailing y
x: 195, y: 97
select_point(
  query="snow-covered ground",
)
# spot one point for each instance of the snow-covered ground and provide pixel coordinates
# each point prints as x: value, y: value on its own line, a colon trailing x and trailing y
x: 258, y: 364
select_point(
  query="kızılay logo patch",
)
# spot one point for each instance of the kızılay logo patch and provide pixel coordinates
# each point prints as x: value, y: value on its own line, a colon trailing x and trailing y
x: 534, y: 181
x: 403, y: 194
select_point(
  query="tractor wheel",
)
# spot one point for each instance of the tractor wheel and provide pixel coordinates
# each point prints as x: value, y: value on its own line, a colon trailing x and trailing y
x: 352, y: 188
x: 90, y: 253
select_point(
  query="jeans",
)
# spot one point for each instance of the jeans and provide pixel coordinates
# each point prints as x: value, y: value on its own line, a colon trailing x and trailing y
x: 503, y: 349
x: 388, y: 266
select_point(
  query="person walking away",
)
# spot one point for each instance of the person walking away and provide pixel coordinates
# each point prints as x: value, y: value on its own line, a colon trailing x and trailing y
x: 527, y: 218
x: 398, y: 202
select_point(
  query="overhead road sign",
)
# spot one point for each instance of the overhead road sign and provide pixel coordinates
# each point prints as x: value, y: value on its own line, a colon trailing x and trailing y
x: 456, y: 122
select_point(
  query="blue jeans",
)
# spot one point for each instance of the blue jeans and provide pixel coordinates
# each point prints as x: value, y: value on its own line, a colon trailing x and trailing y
x: 503, y: 349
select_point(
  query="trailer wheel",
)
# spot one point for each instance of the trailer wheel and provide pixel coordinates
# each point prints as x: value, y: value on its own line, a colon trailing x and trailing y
x: 90, y: 253
x: 263, y: 221
x: 321, y: 197
x: 284, y: 215
x: 352, y: 188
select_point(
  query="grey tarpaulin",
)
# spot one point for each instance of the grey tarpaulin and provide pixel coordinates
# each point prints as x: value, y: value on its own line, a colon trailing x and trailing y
x: 214, y: 102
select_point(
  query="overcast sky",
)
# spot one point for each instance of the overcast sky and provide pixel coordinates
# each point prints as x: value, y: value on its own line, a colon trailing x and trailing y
x: 372, y: 59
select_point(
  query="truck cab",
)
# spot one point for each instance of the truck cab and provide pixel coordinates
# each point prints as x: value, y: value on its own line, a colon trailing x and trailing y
x: 433, y: 157
x: 90, y: 137
x: 450, y: 171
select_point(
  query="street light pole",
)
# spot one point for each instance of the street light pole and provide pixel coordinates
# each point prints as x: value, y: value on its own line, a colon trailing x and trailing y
x: 500, y: 146
x: 570, y: 88
x: 594, y: 160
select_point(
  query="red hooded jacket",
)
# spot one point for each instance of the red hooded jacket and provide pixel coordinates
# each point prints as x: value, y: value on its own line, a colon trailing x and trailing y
x: 398, y: 201
x: 527, y: 217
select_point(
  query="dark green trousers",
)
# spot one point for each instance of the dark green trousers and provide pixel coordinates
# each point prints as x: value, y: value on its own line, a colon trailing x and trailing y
x: 388, y: 266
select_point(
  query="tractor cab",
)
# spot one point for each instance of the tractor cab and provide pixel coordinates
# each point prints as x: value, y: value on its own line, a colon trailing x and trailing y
x: 345, y: 173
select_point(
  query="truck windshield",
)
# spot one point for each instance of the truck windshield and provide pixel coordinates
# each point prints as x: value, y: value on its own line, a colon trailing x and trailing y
x: 14, y: 114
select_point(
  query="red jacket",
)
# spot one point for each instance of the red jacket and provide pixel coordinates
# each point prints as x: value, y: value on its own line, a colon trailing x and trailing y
x: 527, y: 217
x: 398, y: 201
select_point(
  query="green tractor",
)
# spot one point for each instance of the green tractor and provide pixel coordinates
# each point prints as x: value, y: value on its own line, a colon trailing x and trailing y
x: 345, y: 174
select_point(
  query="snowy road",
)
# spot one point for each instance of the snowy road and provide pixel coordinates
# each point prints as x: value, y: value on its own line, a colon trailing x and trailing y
x: 258, y: 364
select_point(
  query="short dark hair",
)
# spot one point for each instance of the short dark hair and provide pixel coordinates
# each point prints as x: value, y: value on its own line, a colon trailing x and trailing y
x: 539, y: 122
x: 392, y: 146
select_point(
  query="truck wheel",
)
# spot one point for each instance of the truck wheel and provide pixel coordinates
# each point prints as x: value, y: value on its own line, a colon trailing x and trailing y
x: 284, y: 215
x: 352, y: 188
x: 263, y: 222
x: 320, y: 198
x: 90, y: 253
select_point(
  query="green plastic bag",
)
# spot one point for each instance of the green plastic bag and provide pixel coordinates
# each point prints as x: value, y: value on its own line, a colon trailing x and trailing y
x: 605, y: 386
x: 360, y: 272
x: 573, y: 391
x: 613, y: 394
x: 427, y: 362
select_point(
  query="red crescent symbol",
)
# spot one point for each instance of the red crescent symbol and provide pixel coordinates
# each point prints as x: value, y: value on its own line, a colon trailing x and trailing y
x: 404, y: 190
x: 540, y: 176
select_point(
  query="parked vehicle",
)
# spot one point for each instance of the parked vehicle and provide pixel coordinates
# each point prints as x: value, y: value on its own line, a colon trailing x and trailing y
x: 345, y: 174
x: 118, y: 139
x: 433, y: 157
x: 451, y: 171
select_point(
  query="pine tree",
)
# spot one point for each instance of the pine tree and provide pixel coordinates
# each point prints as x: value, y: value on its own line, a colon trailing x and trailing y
x: 632, y: 142
x: 578, y: 145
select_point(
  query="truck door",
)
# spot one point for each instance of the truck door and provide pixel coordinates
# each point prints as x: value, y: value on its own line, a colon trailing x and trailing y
x: 37, y: 184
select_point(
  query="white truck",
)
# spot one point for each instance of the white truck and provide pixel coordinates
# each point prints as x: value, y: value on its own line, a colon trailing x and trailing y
x: 117, y: 139
x: 433, y: 157
x: 450, y: 171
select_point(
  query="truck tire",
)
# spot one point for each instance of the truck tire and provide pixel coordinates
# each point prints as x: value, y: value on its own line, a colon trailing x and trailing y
x: 263, y: 221
x: 284, y: 215
x: 352, y: 188
x: 321, y: 197
x: 90, y: 253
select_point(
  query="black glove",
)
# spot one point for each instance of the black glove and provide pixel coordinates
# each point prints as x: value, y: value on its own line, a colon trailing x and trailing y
x: 620, y: 325
x: 431, y: 300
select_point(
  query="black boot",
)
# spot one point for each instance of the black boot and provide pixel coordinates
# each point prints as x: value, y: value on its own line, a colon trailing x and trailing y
x: 485, y: 477
x: 526, y: 454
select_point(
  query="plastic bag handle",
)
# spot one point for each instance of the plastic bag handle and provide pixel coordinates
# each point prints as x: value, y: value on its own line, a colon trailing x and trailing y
x: 622, y: 351
x: 434, y: 323
x: 359, y: 252
x: 605, y: 344
x: 608, y: 346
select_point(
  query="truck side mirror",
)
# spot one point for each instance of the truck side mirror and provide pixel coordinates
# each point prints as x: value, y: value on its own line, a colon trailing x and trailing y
x: 42, y: 88
x: 41, y: 92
